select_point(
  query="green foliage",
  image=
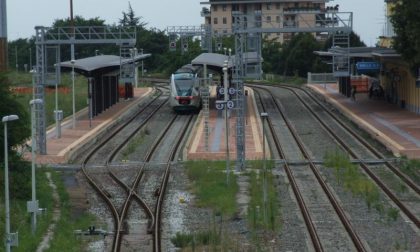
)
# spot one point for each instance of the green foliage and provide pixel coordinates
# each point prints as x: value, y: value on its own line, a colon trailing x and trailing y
x: 64, y: 99
x: 209, y: 184
x: 135, y: 142
x: 411, y: 168
x: 256, y: 216
x: 64, y: 239
x: 406, y: 24
x: 349, y: 175
x: 355, y: 41
x: 17, y: 131
x: 201, y: 238
x: 20, y: 219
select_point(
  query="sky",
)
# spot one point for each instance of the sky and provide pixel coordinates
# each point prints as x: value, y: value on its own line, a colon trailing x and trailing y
x: 24, y: 15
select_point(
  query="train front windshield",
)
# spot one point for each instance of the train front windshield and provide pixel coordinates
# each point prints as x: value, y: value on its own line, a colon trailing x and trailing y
x: 184, y: 83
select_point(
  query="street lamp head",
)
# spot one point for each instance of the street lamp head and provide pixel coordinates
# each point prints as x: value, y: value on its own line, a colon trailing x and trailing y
x: 9, y: 118
x: 264, y: 115
x: 72, y: 61
x: 35, y: 101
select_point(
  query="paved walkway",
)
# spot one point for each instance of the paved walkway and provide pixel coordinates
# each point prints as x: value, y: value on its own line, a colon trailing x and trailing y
x: 59, y: 148
x: 396, y: 128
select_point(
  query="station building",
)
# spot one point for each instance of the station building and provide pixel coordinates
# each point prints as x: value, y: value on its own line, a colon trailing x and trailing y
x: 274, y: 13
x: 395, y: 74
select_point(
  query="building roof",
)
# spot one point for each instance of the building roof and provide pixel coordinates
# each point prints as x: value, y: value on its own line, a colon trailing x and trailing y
x: 91, y: 64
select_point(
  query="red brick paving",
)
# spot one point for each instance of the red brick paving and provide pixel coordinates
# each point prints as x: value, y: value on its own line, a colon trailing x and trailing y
x: 58, y: 148
x: 398, y: 129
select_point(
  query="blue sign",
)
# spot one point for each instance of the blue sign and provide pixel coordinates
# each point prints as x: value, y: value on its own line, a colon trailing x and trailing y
x: 368, y: 67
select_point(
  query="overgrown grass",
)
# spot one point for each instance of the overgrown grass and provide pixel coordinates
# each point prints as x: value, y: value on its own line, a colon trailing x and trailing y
x: 209, y: 185
x: 196, y: 239
x: 135, y: 142
x: 21, y: 219
x: 260, y: 215
x: 353, y: 180
x: 64, y: 238
x: 411, y: 168
x: 64, y: 100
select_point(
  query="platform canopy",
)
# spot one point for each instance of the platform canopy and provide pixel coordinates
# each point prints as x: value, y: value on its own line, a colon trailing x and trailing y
x: 216, y: 60
x: 101, y: 63
x: 213, y: 60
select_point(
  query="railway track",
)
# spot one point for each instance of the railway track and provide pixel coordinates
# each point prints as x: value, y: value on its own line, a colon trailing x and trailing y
x: 119, y: 214
x: 295, y: 180
x: 373, y: 153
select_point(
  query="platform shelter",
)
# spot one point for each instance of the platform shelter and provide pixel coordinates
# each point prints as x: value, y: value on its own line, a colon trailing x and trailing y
x: 103, y: 73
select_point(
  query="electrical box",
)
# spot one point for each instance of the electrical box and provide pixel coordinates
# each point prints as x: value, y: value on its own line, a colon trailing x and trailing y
x: 58, y: 115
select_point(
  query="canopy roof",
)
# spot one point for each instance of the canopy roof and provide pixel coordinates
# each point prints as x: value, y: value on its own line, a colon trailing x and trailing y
x: 87, y: 66
x: 217, y: 60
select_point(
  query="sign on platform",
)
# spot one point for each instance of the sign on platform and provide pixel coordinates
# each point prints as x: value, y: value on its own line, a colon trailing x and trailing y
x: 220, y: 106
x: 230, y: 104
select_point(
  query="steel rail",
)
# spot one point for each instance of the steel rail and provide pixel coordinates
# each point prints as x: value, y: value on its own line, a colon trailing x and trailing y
x: 375, y: 178
x: 102, y: 192
x: 374, y: 151
x: 301, y: 202
x: 162, y: 189
x: 337, y: 207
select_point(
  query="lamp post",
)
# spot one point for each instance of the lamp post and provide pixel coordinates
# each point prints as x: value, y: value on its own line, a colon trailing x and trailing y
x: 264, y: 117
x: 33, y: 205
x: 142, y: 64
x: 73, y: 91
x: 6, y: 119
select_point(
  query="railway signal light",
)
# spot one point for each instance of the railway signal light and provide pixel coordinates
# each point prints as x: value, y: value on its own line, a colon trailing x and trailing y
x: 172, y: 46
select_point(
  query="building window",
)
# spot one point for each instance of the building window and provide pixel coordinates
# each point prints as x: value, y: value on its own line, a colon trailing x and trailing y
x: 214, y: 7
x: 224, y: 7
x: 268, y: 6
x: 278, y: 6
x: 225, y: 31
x: 268, y: 19
x: 278, y: 19
x: 224, y: 20
x: 214, y: 20
x: 235, y: 7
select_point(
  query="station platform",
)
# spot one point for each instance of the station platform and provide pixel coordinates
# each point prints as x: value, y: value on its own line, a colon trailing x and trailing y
x: 60, y: 149
x: 215, y: 148
x: 397, y: 129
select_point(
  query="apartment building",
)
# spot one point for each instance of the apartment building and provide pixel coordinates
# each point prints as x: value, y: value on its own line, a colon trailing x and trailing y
x: 273, y: 14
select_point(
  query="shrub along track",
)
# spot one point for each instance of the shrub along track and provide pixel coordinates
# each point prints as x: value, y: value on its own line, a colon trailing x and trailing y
x: 105, y: 182
x: 358, y: 148
x: 321, y: 233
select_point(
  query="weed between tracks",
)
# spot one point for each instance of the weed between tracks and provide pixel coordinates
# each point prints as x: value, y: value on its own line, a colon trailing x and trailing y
x: 353, y: 180
x: 411, y: 168
x: 135, y: 142
x: 209, y: 185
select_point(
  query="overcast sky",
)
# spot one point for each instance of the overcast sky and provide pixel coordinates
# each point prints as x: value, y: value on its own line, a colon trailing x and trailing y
x: 24, y: 15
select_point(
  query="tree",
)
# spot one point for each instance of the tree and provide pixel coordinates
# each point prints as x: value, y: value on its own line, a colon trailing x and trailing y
x: 355, y: 41
x: 297, y: 56
x: 19, y: 130
x: 406, y: 22
x: 130, y: 19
